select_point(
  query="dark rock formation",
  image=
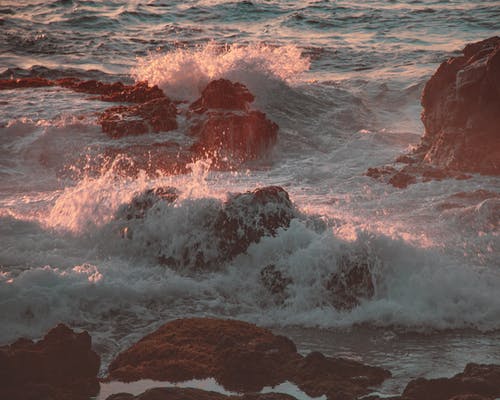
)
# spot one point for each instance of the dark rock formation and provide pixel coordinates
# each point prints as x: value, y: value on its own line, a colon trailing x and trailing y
x: 477, y: 379
x: 175, y: 393
x: 241, y: 357
x: 461, y: 115
x: 275, y: 281
x: 231, y: 226
x: 225, y: 128
x: 144, y: 201
x: 352, y: 282
x: 246, y: 217
x: 153, y: 116
x: 60, y: 366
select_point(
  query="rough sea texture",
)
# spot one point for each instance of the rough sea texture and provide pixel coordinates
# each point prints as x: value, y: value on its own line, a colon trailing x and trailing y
x: 343, y: 81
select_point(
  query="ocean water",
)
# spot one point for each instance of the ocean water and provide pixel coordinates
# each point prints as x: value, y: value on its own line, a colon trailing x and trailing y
x: 343, y: 80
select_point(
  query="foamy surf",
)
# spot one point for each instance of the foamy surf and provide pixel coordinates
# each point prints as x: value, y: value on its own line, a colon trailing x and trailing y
x: 184, y: 73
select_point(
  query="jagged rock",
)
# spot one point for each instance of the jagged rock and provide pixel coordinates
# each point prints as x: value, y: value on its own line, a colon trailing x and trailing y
x: 461, y: 116
x: 231, y: 227
x: 246, y: 217
x: 477, y: 379
x: 352, y: 282
x: 223, y: 94
x: 153, y: 116
x: 225, y: 128
x: 61, y: 365
x: 240, y: 356
x: 144, y: 201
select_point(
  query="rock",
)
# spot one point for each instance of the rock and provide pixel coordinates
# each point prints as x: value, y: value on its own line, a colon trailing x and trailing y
x: 61, y: 365
x: 230, y: 227
x: 175, y: 393
x: 240, y: 137
x: 21, y: 83
x: 223, y: 94
x: 477, y: 379
x: 241, y: 357
x: 247, y: 217
x: 225, y: 128
x: 153, y: 116
x: 352, y: 282
x: 141, y: 203
x: 275, y: 281
x: 461, y: 116
x: 141, y: 92
x: 461, y: 111
x: 200, y: 348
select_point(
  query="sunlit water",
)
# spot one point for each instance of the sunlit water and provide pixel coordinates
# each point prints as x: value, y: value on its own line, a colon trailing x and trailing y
x: 343, y: 82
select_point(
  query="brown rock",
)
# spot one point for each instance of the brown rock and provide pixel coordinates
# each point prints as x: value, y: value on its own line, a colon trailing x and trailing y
x: 225, y: 128
x: 477, y: 379
x: 223, y: 94
x: 461, y: 111
x: 153, y: 116
x: 20, y: 83
x: 241, y: 357
x: 240, y: 137
x: 62, y: 365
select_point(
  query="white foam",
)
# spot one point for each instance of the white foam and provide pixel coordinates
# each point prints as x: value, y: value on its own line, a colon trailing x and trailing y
x: 184, y: 73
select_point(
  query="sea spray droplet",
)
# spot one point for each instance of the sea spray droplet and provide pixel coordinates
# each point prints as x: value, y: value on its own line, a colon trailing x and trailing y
x: 183, y: 73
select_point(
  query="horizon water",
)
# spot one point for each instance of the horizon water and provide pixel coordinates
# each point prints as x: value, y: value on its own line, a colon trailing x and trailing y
x: 343, y: 82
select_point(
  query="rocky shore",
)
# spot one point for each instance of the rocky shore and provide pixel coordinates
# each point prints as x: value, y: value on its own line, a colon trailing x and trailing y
x: 461, y: 104
x: 242, y: 357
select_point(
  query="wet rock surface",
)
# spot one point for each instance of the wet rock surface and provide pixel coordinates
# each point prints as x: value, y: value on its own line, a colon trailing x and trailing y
x: 461, y: 116
x: 476, y: 380
x: 195, y: 394
x: 241, y: 357
x: 224, y: 126
x: 62, y: 365
x: 152, y: 116
x: 232, y: 226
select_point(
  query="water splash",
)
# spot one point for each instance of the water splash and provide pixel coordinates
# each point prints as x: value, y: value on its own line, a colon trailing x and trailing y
x: 183, y: 73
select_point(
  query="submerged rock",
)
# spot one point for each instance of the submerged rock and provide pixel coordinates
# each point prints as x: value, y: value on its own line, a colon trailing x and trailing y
x: 21, y: 83
x: 62, y: 365
x: 225, y: 127
x: 241, y: 357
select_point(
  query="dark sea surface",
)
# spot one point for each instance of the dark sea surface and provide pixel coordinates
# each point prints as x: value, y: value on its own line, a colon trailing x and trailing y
x: 343, y: 81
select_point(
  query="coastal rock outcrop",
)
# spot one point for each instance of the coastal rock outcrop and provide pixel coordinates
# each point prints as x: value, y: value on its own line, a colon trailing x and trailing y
x: 476, y: 380
x: 241, y: 357
x: 224, y: 126
x: 461, y: 116
x: 62, y: 365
